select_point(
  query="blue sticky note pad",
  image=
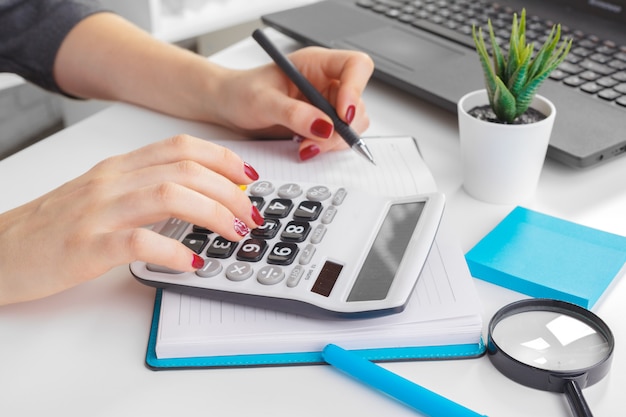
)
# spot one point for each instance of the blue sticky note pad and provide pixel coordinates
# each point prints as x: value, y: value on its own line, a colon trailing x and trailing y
x: 547, y: 257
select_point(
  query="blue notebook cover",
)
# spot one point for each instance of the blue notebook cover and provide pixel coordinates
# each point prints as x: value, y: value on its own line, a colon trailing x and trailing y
x: 307, y: 358
x: 547, y: 257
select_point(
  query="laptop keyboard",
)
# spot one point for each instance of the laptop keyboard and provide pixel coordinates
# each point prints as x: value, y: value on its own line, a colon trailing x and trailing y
x: 595, y: 66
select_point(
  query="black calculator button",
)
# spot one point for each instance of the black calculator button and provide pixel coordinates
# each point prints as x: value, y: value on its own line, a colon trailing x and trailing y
x: 200, y: 229
x: 268, y: 230
x: 295, y: 231
x: 283, y: 253
x: 279, y: 208
x: 257, y: 202
x: 318, y: 193
x: 290, y: 190
x: 221, y: 248
x: 211, y: 268
x: 270, y: 275
x: 252, y: 250
x: 195, y: 241
x: 239, y: 271
x: 261, y: 188
x: 308, y: 210
x: 329, y: 214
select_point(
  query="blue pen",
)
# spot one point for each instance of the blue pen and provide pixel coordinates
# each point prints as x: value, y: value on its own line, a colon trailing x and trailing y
x: 411, y: 394
x: 314, y: 96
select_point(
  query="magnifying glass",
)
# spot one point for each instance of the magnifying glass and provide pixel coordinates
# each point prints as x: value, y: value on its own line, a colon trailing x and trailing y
x: 551, y: 345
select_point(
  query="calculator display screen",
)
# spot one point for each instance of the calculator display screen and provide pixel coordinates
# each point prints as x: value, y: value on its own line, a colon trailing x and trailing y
x: 386, y: 253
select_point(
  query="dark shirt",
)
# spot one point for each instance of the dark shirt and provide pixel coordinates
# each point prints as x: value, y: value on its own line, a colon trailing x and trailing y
x: 31, y: 32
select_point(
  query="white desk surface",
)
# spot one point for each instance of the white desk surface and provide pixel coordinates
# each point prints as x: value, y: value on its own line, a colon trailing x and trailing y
x: 81, y: 353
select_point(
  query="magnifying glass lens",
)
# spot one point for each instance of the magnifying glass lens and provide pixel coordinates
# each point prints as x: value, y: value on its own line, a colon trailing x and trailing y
x: 551, y: 340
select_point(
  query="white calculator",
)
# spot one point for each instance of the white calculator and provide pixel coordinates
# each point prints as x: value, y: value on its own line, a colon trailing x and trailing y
x: 323, y: 251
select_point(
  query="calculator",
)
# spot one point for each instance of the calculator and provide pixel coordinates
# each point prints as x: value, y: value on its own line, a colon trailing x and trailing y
x: 323, y: 251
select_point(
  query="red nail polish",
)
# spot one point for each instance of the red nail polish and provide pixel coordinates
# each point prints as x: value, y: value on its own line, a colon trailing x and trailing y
x: 256, y: 216
x: 240, y: 227
x: 309, y: 152
x: 321, y: 128
x: 197, y: 262
x: 250, y: 172
x: 350, y: 113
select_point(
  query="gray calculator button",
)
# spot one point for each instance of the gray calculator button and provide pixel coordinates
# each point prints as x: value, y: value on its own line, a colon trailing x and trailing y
x: 290, y: 190
x: 261, y: 188
x: 318, y: 193
x: 329, y: 214
x: 211, y: 268
x: 318, y: 233
x: 238, y: 271
x: 270, y: 275
x: 339, y: 196
x: 174, y: 228
x: 163, y: 269
x: 307, y: 254
x: 294, y: 276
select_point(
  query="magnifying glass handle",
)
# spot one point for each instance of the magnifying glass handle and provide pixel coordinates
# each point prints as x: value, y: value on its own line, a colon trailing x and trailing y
x: 576, y: 400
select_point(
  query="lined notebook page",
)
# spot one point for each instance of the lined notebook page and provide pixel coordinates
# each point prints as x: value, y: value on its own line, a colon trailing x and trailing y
x: 444, y: 309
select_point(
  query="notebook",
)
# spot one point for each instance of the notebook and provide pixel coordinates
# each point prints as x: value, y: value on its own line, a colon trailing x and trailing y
x: 442, y: 320
x: 547, y: 257
x: 425, y: 48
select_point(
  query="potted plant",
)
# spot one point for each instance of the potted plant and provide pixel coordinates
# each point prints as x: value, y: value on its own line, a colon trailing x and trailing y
x: 505, y: 128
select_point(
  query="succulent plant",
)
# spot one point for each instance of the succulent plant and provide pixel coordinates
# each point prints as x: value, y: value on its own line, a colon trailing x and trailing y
x: 512, y: 81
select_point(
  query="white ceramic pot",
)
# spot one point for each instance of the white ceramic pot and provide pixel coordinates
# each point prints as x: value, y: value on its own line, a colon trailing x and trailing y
x: 502, y: 162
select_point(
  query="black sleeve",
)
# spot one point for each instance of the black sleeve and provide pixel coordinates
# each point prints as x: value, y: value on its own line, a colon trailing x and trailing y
x: 31, y: 32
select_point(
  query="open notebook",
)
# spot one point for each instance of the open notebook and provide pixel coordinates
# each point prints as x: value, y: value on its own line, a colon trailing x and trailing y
x: 442, y: 320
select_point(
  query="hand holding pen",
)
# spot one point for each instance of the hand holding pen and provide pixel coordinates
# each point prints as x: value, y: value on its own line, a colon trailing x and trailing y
x: 314, y: 96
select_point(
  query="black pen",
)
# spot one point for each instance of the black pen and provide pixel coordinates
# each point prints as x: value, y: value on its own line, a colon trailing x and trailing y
x: 314, y: 96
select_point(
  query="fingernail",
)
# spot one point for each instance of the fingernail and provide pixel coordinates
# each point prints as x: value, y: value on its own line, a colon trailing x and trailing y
x: 350, y: 114
x: 321, y: 128
x: 241, y: 228
x: 250, y: 172
x: 309, y: 152
x: 197, y: 262
x: 256, y: 216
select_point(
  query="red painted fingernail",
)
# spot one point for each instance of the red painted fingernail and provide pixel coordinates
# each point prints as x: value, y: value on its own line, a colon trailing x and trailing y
x: 321, y: 128
x: 241, y: 228
x: 256, y: 216
x: 197, y: 262
x: 350, y: 114
x: 309, y: 152
x: 250, y: 172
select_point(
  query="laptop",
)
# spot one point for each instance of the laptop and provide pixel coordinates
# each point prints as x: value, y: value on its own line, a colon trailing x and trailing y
x: 425, y: 47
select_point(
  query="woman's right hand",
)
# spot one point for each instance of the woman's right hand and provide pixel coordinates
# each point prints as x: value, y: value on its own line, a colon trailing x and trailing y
x: 93, y: 223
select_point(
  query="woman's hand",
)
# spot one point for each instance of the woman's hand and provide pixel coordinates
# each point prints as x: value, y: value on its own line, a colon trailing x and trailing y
x: 94, y: 223
x: 263, y: 100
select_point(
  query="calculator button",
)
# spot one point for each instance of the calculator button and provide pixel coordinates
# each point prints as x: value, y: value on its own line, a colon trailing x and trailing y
x: 174, y: 228
x: 318, y: 233
x: 339, y: 196
x: 221, y: 248
x: 268, y: 230
x: 252, y: 250
x: 283, y: 253
x: 211, y: 268
x: 261, y: 188
x: 163, y: 269
x: 239, y: 271
x: 295, y: 231
x: 270, y: 275
x: 257, y: 202
x: 289, y: 190
x: 329, y: 214
x: 279, y: 208
x: 200, y: 229
x: 307, y: 254
x: 294, y: 276
x: 308, y: 210
x: 195, y: 241
x: 318, y: 193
